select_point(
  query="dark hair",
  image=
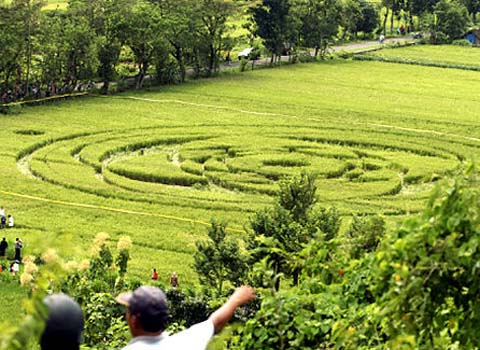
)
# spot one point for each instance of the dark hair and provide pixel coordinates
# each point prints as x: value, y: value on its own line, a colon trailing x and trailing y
x: 64, y: 325
x: 153, y: 323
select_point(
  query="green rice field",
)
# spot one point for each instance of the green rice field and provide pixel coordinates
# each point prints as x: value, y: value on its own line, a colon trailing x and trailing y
x: 446, y: 54
x: 158, y: 165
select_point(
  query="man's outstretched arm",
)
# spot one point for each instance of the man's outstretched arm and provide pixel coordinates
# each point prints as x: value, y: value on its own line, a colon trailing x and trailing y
x: 240, y: 297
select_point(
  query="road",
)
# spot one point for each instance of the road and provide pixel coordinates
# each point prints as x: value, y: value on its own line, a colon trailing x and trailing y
x: 346, y: 47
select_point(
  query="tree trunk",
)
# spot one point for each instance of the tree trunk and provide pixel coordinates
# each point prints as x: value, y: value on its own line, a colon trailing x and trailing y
x: 296, y: 274
x: 391, y: 23
x: 211, y: 60
x: 106, y: 84
x: 385, y: 17
x: 141, y: 74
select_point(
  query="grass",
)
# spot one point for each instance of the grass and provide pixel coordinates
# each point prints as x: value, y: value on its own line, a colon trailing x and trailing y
x: 445, y: 54
x: 158, y: 165
x: 11, y: 302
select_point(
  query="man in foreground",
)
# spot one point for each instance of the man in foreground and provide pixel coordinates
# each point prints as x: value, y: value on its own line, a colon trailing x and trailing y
x: 147, y: 316
x: 64, y: 326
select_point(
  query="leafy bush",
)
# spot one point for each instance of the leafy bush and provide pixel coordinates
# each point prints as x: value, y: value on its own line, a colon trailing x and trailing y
x: 419, y: 289
x: 462, y: 42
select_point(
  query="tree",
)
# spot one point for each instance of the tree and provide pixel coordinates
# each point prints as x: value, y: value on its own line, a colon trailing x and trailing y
x: 452, y: 18
x: 473, y: 7
x: 450, y: 21
x: 320, y: 22
x: 182, y: 23
x: 273, y: 24
x: 142, y: 32
x: 51, y: 47
x: 352, y: 17
x: 214, y: 15
x: 280, y: 233
x: 369, y: 20
x: 105, y: 19
x: 420, y: 7
x: 19, y: 23
x: 219, y: 259
x: 80, y: 47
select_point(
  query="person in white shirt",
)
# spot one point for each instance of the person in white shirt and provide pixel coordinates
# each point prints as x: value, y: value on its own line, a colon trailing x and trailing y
x: 147, y: 316
x: 10, y: 221
x: 2, y: 211
x: 15, y: 268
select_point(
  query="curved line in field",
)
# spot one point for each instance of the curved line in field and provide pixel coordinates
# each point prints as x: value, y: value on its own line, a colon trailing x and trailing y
x: 116, y: 210
x: 385, y: 126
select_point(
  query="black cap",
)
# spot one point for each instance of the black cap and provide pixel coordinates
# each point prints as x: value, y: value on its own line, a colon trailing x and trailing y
x: 149, y: 304
x: 64, y: 326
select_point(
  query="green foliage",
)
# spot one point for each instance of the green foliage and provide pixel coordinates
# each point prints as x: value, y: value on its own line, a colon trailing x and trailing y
x: 327, y: 221
x: 427, y: 280
x: 320, y: 22
x: 449, y: 21
x: 297, y: 196
x: 452, y: 18
x: 219, y: 260
x: 281, y: 232
x: 365, y: 234
x: 273, y: 25
x: 418, y: 289
x: 186, y: 308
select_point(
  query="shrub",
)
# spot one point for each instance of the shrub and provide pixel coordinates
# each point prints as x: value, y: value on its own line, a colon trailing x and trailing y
x: 462, y: 42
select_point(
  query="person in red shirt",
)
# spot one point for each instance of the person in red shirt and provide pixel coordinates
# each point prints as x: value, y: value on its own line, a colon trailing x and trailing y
x: 155, y: 275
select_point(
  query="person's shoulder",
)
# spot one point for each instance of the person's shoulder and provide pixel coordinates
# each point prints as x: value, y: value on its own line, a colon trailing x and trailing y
x: 195, y: 337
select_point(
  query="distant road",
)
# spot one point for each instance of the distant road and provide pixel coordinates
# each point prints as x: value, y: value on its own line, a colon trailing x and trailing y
x: 369, y: 44
x: 347, y: 47
x: 266, y: 60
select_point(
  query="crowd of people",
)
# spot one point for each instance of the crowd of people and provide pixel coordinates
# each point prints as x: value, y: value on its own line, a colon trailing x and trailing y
x: 14, y: 267
x: 36, y: 91
x: 146, y: 316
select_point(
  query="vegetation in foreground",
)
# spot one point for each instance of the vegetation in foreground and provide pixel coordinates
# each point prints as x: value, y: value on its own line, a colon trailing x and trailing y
x: 412, y: 287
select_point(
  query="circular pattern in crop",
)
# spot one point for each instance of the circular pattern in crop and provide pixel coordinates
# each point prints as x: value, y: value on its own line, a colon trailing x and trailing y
x: 235, y: 167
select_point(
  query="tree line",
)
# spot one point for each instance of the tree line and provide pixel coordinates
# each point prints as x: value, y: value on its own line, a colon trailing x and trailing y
x: 44, y: 52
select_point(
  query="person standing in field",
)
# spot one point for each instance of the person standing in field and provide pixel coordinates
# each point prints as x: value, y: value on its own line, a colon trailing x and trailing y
x: 3, y: 221
x: 3, y: 247
x: 147, y: 317
x: 155, y: 275
x: 174, y: 280
x: 10, y: 221
x: 18, y: 249
x: 2, y: 211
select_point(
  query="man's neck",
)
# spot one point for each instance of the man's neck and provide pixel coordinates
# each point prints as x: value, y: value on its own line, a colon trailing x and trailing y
x: 142, y: 333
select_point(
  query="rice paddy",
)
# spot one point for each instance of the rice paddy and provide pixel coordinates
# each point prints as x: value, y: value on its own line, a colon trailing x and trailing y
x: 158, y: 165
